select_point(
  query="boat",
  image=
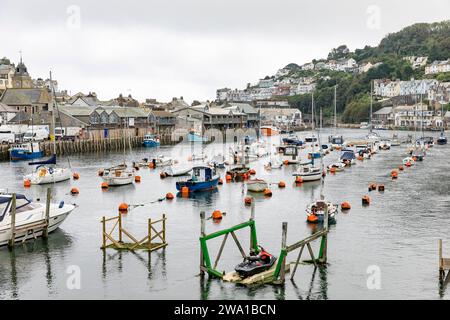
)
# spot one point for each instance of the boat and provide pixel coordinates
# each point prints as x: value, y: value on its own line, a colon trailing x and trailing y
x: 269, y: 131
x: 161, y: 161
x: 142, y: 163
x: 418, y: 154
x: 385, y: 144
x: 218, y: 161
x: 255, y: 263
x: 426, y: 141
x: 311, y: 138
x: 292, y: 139
x: 335, y: 140
x: 308, y: 172
x: 316, y: 211
x: 408, y: 160
x: 336, y: 166
x: 289, y: 154
x: 442, y: 140
x: 348, y: 157
x: 257, y: 185
x: 194, y: 136
x: 46, y: 172
x: 395, y: 141
x: 203, y: 178
x: 29, y: 213
x: 25, y: 151
x: 176, y: 171
x: 364, y: 125
x: 151, y: 141
x: 239, y: 173
x: 118, y: 175
x: 198, y: 157
x: 274, y: 163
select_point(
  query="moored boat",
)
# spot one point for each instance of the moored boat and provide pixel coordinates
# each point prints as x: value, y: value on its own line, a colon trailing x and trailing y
x: 316, y: 211
x: 118, y: 175
x: 46, y: 172
x: 203, y: 178
x: 257, y: 185
x: 151, y: 141
x: 269, y: 131
x: 176, y: 171
x: 25, y: 151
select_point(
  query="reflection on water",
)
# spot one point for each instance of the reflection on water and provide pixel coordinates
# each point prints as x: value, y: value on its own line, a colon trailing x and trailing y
x: 398, y: 232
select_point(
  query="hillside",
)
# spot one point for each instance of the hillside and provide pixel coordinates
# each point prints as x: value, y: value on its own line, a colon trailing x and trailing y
x: 422, y: 39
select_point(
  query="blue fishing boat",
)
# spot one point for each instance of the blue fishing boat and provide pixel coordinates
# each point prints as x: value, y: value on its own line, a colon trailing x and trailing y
x: 151, y: 141
x: 25, y: 151
x: 203, y: 178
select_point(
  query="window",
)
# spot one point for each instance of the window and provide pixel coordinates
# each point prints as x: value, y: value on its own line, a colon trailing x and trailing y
x: 104, y: 118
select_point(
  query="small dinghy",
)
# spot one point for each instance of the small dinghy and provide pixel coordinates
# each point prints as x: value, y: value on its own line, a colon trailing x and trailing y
x: 176, y: 171
x: 161, y: 161
x: 274, y: 163
x: 142, y: 163
x: 316, y: 211
x: 257, y: 185
x: 348, y: 157
x: 255, y: 263
x: 118, y: 175
x: 385, y: 145
x: 337, y: 167
x: 239, y: 173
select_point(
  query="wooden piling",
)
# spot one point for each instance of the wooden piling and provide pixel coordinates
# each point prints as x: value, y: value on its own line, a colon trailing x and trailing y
x: 202, y: 234
x: 13, y: 221
x: 283, y: 247
x: 47, y: 213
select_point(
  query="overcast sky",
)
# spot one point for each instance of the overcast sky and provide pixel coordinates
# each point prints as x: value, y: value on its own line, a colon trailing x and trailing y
x: 166, y: 48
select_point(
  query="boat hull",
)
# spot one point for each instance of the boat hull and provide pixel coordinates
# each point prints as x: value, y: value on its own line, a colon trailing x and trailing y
x: 194, y: 186
x: 17, y: 155
x: 58, y: 175
x: 151, y: 144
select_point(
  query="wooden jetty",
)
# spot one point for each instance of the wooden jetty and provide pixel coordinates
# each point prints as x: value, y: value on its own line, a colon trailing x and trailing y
x: 115, y: 240
x: 29, y: 228
x: 276, y: 274
x: 444, y: 266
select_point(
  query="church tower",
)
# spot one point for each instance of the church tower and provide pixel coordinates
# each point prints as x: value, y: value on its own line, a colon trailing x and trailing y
x: 21, y: 78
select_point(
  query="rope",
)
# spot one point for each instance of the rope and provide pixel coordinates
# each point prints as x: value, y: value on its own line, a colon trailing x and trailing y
x: 134, y: 206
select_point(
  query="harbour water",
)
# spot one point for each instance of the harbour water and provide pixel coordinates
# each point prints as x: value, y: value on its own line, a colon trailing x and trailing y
x: 396, y: 235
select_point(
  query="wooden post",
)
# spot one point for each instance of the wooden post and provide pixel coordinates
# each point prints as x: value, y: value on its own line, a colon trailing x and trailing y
x: 149, y: 234
x: 441, y: 267
x: 324, y: 243
x: 103, y: 232
x: 13, y: 221
x: 120, y: 227
x: 47, y: 213
x: 202, y: 234
x: 283, y: 247
x: 164, y: 228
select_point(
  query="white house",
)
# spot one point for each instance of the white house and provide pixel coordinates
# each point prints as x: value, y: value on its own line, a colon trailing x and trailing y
x: 438, y: 67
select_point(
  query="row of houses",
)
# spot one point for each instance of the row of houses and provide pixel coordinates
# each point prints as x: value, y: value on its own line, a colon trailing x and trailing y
x: 430, y: 89
x: 419, y: 115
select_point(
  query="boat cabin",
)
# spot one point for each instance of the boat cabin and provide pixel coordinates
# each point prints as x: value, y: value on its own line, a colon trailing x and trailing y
x: 22, y: 204
x: 202, y: 173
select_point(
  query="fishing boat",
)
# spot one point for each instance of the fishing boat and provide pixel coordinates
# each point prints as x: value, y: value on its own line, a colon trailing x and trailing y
x: 257, y: 185
x: 29, y: 213
x: 316, y: 211
x: 203, y: 178
x: 151, y: 141
x: 118, y: 175
x: 161, y: 161
x: 25, y: 151
x: 269, y: 131
x: 348, y: 157
x: 176, y: 171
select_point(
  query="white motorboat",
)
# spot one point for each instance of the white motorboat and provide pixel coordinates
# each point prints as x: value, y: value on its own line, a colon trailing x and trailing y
x: 118, y: 175
x: 176, y: 171
x: 48, y: 174
x: 29, y: 213
x: 218, y: 161
x: 385, y: 144
x: 308, y: 172
x: 257, y: 185
x: 289, y: 154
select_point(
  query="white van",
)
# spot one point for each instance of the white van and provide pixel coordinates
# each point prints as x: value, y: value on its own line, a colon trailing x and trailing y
x: 36, y: 134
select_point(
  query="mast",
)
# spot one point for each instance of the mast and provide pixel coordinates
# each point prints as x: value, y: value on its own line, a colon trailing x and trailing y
x: 371, y: 106
x: 52, y: 124
x: 335, y: 110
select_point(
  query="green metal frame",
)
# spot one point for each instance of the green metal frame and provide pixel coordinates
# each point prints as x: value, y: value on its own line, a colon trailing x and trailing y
x: 205, y: 253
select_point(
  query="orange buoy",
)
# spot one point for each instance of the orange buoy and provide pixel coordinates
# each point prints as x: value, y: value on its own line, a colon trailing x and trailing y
x: 267, y: 192
x: 220, y: 181
x: 169, y: 196
x: 27, y: 183
x: 381, y: 187
x: 312, y: 218
x: 333, y: 170
x: 162, y: 175
x: 298, y: 179
x: 105, y: 185
x: 281, y: 184
x: 365, y: 200
x: 394, y: 174
x: 74, y: 191
x: 228, y: 178
x: 252, y: 171
x: 414, y: 158
x: 75, y: 176
x: 345, y: 205
x: 123, y: 208
x: 372, y: 186
x: 100, y: 173
x: 401, y: 168
x: 408, y: 164
x: 137, y: 179
x: 216, y: 215
x: 248, y: 201
x: 286, y: 162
